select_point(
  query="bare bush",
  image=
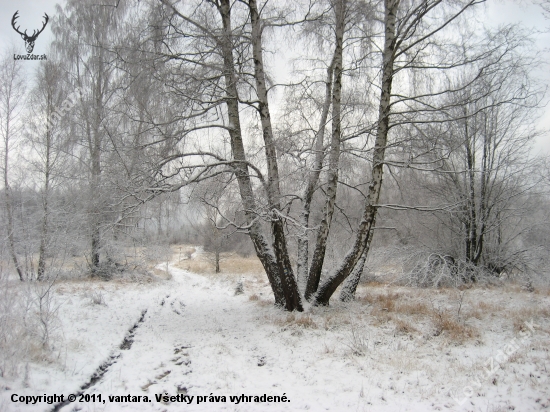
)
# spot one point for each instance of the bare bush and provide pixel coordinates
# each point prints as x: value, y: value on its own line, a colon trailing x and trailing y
x: 28, y: 323
x: 433, y: 270
x: 43, y: 321
x: 445, y: 321
x: 97, y: 298
x: 422, y: 268
x: 356, y: 341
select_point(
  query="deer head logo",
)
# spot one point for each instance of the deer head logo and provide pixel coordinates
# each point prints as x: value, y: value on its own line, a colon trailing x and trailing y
x: 29, y: 40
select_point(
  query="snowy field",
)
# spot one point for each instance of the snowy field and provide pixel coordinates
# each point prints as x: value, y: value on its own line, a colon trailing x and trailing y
x: 394, y: 349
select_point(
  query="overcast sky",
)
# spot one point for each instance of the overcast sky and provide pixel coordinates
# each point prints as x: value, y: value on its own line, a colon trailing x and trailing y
x: 495, y: 12
x: 524, y: 12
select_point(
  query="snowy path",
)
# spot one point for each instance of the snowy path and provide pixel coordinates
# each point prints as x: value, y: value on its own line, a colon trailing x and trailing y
x: 198, y: 339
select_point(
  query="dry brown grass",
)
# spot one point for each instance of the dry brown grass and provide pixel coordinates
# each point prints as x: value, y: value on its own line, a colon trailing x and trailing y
x: 544, y: 312
x: 486, y: 307
x: 406, y: 308
x: 254, y: 297
x: 229, y: 264
x: 510, y: 287
x: 396, y: 302
x: 330, y: 321
x: 264, y: 303
x: 522, y: 315
x: 373, y: 283
x: 242, y: 265
x: 444, y: 323
x: 402, y: 326
x: 196, y: 266
x: 305, y: 322
x: 517, y: 357
x: 475, y: 313
x: 480, y: 309
x: 301, y: 321
x: 413, y: 308
x: 385, y: 301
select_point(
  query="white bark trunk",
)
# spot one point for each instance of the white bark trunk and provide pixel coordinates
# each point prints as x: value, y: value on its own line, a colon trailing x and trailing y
x: 317, y: 260
x: 263, y: 250
x: 286, y: 274
x: 313, y: 178
x: 367, y: 224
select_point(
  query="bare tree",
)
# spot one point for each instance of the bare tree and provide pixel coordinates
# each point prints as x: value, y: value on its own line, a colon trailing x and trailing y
x: 336, y: 69
x: 12, y: 98
x: 489, y: 167
x: 47, y: 105
x: 406, y: 36
x: 545, y: 4
x: 212, y: 30
x: 204, y: 109
x: 84, y: 31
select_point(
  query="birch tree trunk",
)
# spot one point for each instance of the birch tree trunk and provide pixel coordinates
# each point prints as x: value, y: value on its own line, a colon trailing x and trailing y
x: 334, y: 156
x: 44, y: 230
x: 302, y: 265
x: 263, y: 250
x: 368, y: 220
x: 46, y: 99
x: 286, y: 273
x: 12, y: 90
x: 347, y: 294
x: 9, y: 205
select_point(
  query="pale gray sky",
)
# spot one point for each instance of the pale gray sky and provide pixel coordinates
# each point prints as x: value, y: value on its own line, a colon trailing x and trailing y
x: 524, y: 12
x: 495, y: 12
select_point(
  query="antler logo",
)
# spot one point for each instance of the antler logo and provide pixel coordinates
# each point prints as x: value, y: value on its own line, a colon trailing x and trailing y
x: 29, y: 40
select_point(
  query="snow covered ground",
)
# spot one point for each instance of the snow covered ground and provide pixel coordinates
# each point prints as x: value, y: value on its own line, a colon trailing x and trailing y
x: 192, y: 336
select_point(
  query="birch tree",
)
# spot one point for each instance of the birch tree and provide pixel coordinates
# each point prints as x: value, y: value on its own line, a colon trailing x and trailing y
x: 12, y: 100
x: 84, y: 31
x: 336, y: 69
x: 213, y: 60
x: 214, y: 87
x: 47, y: 105
x: 407, y: 35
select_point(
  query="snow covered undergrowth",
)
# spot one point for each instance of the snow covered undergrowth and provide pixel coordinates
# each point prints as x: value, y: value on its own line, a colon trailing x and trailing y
x: 198, y: 339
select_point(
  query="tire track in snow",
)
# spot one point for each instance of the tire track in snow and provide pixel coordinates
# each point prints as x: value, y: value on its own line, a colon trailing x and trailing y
x: 180, y: 359
x: 104, y: 367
